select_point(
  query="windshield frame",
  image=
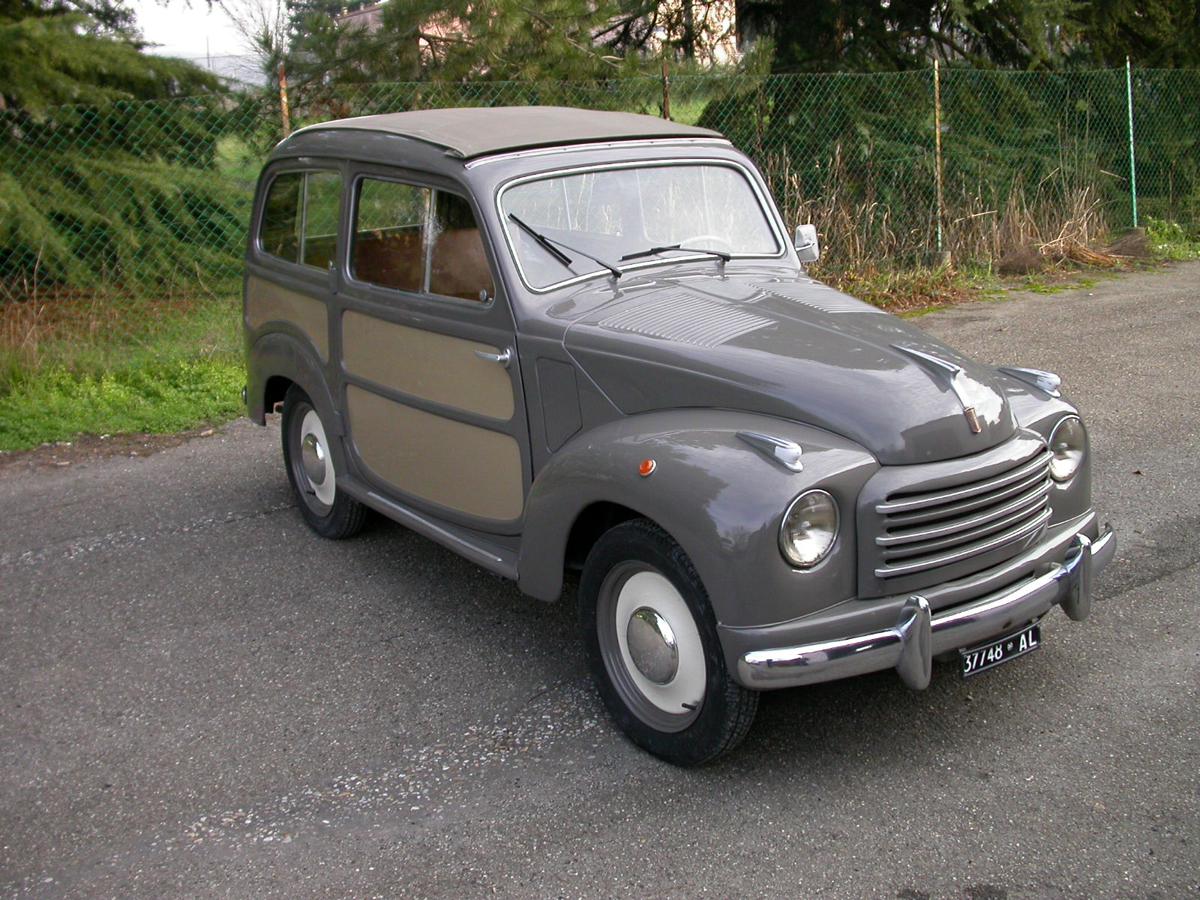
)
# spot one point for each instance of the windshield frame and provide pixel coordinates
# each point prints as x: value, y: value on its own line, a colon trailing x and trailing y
x: 765, y: 207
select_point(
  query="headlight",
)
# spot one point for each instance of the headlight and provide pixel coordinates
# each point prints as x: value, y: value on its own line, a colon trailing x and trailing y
x: 809, y: 528
x: 1068, y: 443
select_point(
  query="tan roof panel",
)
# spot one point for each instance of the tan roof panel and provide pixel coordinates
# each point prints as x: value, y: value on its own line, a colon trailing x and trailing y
x: 480, y: 131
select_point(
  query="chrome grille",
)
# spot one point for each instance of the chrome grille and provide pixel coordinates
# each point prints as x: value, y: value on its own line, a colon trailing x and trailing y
x: 924, y: 531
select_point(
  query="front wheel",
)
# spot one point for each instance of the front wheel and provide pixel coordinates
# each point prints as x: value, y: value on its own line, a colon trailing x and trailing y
x: 652, y: 645
x: 328, y: 511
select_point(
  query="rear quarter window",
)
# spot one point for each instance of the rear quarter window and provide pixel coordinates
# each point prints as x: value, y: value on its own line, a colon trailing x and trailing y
x: 300, y: 218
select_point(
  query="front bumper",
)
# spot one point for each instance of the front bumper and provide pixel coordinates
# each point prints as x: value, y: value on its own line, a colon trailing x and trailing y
x: 917, y: 636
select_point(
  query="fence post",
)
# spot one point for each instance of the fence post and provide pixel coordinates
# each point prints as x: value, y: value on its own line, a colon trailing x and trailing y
x: 937, y: 154
x: 1132, y: 163
x: 666, y: 81
x: 284, y: 113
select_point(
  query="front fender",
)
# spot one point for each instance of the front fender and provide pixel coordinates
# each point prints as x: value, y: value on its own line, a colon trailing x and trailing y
x: 719, y: 498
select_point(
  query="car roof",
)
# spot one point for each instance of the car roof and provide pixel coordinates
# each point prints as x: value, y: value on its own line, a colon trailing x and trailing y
x: 482, y: 131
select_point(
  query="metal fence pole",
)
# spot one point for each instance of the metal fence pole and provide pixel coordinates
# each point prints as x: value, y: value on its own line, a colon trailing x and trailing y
x: 937, y: 144
x: 1132, y: 163
x: 666, y: 86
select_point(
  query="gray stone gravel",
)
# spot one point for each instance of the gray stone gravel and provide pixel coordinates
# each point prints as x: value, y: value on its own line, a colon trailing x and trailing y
x: 198, y: 697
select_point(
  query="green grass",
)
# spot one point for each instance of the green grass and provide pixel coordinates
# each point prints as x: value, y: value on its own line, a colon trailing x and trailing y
x: 1170, y: 240
x: 58, y: 405
x: 113, y: 366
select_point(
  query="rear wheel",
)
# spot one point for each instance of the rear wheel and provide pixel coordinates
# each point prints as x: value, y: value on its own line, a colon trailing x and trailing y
x: 652, y: 645
x: 306, y: 453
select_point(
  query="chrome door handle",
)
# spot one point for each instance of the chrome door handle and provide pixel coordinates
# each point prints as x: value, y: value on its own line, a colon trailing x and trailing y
x: 504, y: 357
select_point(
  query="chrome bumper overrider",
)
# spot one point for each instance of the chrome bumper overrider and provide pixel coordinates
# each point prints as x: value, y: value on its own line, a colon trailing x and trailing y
x: 910, y: 645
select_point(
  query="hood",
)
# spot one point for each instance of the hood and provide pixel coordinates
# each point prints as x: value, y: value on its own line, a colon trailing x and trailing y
x: 788, y: 347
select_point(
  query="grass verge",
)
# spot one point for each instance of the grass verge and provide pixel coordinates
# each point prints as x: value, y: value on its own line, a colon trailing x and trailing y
x: 108, y: 365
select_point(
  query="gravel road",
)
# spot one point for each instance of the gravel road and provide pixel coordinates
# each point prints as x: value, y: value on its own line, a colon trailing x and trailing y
x: 199, y: 697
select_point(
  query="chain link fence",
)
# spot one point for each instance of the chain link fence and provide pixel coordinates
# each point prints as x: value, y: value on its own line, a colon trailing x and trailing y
x: 118, y: 222
x: 154, y: 197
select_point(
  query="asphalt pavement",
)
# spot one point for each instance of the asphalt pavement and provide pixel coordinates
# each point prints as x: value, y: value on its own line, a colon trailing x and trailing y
x: 199, y: 697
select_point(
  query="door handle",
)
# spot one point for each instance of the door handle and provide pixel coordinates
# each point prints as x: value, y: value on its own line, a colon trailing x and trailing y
x: 504, y: 357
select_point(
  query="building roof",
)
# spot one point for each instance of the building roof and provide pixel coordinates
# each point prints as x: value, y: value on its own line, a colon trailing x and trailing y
x: 481, y: 131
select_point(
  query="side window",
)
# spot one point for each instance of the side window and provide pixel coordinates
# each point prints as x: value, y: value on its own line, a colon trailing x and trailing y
x: 323, y: 195
x: 420, y: 240
x: 300, y: 217
x: 458, y: 265
x: 280, y: 234
x: 389, y: 225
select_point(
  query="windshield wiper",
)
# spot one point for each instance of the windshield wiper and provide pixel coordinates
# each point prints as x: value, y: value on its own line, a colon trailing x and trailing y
x: 550, y: 245
x: 654, y: 251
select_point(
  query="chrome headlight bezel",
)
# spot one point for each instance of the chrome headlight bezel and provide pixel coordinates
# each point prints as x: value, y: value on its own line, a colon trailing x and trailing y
x: 827, y: 531
x: 1068, y: 445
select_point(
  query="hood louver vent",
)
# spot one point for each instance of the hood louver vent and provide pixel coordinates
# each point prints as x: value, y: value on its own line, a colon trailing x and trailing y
x: 684, y: 318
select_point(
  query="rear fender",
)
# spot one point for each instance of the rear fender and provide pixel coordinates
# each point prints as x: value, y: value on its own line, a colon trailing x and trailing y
x: 280, y: 354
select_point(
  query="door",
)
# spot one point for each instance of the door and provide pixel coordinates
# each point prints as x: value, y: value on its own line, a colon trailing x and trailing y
x: 429, y: 375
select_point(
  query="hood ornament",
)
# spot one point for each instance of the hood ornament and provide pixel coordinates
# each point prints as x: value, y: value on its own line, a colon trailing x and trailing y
x: 954, y: 378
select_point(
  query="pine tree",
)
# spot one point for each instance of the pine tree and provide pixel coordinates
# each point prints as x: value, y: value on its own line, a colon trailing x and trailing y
x: 105, y: 151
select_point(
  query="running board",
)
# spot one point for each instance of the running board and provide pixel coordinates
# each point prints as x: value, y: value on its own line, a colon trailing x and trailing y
x: 498, y: 560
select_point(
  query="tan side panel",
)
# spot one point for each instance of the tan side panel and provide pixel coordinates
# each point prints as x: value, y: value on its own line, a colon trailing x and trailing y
x: 428, y: 365
x: 267, y: 302
x: 463, y: 467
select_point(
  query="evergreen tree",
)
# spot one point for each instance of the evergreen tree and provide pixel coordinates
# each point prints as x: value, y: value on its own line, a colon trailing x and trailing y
x: 1152, y: 33
x: 75, y: 51
x: 105, y: 151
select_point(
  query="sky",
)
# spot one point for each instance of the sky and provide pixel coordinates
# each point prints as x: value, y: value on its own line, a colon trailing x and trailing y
x: 193, y: 31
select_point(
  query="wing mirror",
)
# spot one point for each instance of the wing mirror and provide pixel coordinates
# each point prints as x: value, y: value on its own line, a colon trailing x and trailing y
x: 807, y: 247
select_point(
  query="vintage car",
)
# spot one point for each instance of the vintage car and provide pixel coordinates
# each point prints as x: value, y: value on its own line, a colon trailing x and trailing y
x: 567, y: 343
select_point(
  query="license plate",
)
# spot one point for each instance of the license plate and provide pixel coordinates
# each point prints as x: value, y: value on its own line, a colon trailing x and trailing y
x: 988, y: 656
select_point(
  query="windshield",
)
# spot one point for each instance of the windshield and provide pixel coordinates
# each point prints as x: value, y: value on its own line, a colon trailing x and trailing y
x: 614, y: 213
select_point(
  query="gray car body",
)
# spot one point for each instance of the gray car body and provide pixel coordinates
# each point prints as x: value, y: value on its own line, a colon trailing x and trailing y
x: 805, y: 364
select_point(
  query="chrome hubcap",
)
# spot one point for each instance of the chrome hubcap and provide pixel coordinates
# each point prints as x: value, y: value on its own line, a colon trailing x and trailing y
x: 652, y: 645
x: 315, y: 465
x: 313, y: 456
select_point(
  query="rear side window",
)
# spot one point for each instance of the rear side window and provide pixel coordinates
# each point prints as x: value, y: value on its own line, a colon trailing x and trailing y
x: 300, y: 217
x: 418, y: 239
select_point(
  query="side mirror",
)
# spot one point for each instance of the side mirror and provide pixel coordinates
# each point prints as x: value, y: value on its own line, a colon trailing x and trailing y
x: 807, y: 247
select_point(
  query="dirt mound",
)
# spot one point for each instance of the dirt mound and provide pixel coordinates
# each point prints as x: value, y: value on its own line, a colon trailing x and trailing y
x: 1134, y: 244
x: 1020, y: 261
